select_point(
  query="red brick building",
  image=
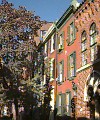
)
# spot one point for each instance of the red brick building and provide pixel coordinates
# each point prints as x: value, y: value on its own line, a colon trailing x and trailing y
x: 60, y: 47
x: 87, y: 20
x: 72, y: 44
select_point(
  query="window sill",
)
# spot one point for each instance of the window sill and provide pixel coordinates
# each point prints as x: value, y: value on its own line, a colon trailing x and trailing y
x: 84, y: 50
x: 59, y: 83
x: 84, y: 65
x: 71, y: 78
x: 52, y: 51
x: 93, y: 44
x: 45, y: 58
x: 70, y: 43
x: 60, y: 50
x: 51, y: 79
x: 87, y: 65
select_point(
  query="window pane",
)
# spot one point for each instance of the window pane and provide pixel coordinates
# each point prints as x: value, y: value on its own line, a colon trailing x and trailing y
x: 52, y: 70
x: 83, y: 48
x: 60, y: 71
x: 93, y: 41
x: 93, y: 53
x: 59, y: 100
x: 93, y: 28
x: 67, y: 101
x: 84, y: 45
x: 84, y: 58
x: 71, y: 31
x: 93, y: 38
x: 72, y: 65
x: 61, y: 39
x: 93, y: 33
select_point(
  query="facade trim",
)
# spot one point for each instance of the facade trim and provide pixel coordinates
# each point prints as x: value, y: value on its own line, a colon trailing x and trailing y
x: 86, y: 66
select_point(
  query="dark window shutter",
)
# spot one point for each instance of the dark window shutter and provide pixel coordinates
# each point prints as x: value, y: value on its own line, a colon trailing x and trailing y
x: 58, y: 42
x: 68, y: 34
x: 63, y: 39
x: 50, y: 44
x: 68, y: 66
x: 63, y: 70
x: 54, y: 41
x: 74, y: 55
x: 57, y: 101
x: 69, y: 103
x: 47, y: 47
x: 69, y: 106
x: 58, y: 72
x: 54, y: 68
x: 74, y: 30
x: 63, y: 104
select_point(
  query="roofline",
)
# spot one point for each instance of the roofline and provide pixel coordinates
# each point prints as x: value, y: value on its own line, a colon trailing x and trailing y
x: 49, y: 32
x: 65, y: 16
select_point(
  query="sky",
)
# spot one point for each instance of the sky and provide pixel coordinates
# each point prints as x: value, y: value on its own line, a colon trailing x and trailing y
x: 49, y: 10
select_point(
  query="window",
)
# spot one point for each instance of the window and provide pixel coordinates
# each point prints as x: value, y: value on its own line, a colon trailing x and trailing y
x: 53, y: 40
x: 68, y: 102
x: 72, y: 65
x: 71, y: 33
x: 46, y: 49
x: 94, y: 52
x: 52, y: 69
x: 44, y: 82
x: 61, y: 42
x: 93, y: 45
x: 61, y: 71
x: 83, y: 48
x: 52, y: 96
x: 42, y: 33
x: 59, y: 104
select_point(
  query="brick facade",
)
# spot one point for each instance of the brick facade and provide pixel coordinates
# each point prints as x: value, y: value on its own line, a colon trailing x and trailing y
x: 76, y: 76
x: 87, y: 14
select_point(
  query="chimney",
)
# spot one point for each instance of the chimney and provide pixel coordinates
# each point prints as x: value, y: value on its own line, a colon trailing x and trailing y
x: 75, y: 3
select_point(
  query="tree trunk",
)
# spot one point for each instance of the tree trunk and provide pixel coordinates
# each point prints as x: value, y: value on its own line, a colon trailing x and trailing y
x: 16, y: 107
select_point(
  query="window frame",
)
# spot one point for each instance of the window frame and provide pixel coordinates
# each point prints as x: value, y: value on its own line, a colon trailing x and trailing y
x: 46, y: 49
x: 61, y: 42
x: 84, y: 49
x: 93, y: 46
x: 69, y: 41
x: 52, y: 69
x: 42, y: 34
x: 74, y: 62
x: 68, y: 111
x: 61, y: 73
x: 53, y: 40
x: 60, y: 105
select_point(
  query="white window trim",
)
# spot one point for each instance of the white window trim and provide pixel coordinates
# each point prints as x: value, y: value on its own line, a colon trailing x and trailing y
x: 45, y: 50
x: 52, y: 42
x: 51, y: 65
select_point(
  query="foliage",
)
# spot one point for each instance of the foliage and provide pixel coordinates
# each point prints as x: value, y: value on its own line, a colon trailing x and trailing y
x: 18, y: 51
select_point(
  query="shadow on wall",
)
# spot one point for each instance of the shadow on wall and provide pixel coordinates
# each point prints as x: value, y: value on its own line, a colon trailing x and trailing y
x: 94, y: 88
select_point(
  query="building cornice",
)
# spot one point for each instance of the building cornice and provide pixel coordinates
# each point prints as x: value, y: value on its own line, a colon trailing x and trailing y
x: 65, y: 16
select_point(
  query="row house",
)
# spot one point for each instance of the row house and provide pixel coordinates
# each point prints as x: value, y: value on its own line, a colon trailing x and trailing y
x: 60, y: 46
x: 72, y: 46
x: 87, y: 20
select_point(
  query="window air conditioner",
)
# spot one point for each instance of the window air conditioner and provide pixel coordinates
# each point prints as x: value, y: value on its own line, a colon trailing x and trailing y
x: 60, y: 46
